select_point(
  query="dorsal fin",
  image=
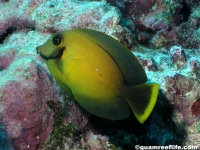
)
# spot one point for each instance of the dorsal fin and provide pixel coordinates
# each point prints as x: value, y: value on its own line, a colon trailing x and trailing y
x: 129, y: 65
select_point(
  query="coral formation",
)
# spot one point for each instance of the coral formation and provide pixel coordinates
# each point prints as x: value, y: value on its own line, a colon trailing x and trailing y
x: 163, y: 34
x: 195, y: 108
x: 155, y: 18
x: 5, y: 142
x: 26, y: 91
x: 6, y: 58
x: 178, y: 57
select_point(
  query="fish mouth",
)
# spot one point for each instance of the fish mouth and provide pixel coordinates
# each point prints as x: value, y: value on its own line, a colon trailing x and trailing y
x: 38, y: 52
x: 56, y: 54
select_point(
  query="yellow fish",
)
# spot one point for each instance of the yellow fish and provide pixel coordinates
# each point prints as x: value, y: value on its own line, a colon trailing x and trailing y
x: 100, y: 73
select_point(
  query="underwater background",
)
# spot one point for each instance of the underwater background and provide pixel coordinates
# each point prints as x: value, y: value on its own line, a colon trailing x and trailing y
x: 36, y: 114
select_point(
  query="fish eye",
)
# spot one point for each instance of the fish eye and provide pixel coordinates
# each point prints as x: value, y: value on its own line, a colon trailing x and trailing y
x: 56, y: 40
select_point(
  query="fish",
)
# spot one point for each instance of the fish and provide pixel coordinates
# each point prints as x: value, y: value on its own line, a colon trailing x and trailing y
x: 100, y: 73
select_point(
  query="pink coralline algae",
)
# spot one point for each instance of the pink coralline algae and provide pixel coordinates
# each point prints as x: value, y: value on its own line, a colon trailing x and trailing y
x: 34, y: 110
x: 178, y: 87
x: 178, y: 56
x: 196, y: 108
x: 166, y: 23
x: 24, y: 112
x: 26, y: 90
x: 163, y: 37
x: 148, y: 64
x: 27, y: 119
x: 80, y: 120
x: 6, y: 59
x: 15, y: 16
x: 147, y: 14
x: 18, y: 23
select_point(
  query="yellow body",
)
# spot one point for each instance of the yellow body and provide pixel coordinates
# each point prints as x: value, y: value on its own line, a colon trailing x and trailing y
x: 96, y: 75
x: 89, y: 70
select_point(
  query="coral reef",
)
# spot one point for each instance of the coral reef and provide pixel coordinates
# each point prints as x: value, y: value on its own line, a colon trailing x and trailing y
x: 5, y: 142
x: 195, y: 108
x: 162, y: 23
x: 36, y: 114
x: 156, y: 19
x: 178, y: 57
x: 26, y: 91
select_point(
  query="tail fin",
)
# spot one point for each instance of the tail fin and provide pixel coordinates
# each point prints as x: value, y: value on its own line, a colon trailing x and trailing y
x: 141, y: 99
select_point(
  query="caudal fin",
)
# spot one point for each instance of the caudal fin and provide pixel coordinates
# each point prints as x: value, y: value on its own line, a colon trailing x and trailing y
x: 141, y: 99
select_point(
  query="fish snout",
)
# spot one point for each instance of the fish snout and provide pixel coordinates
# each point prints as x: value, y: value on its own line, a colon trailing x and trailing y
x: 38, y: 50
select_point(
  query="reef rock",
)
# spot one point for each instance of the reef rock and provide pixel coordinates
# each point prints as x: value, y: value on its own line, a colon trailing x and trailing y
x: 35, y: 112
x: 33, y: 108
x: 25, y: 89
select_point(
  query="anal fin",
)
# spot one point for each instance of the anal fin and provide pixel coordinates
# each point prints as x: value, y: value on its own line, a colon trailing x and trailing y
x: 114, y: 108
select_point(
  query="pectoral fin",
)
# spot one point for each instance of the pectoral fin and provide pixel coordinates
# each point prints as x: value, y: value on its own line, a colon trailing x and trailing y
x: 66, y: 89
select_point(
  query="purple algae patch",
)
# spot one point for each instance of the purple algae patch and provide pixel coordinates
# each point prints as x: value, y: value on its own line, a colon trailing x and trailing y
x: 24, y: 110
x: 195, y: 109
x: 6, y: 59
x: 26, y: 117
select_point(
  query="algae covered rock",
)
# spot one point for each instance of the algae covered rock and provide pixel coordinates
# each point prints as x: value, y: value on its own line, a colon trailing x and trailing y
x: 37, y: 114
